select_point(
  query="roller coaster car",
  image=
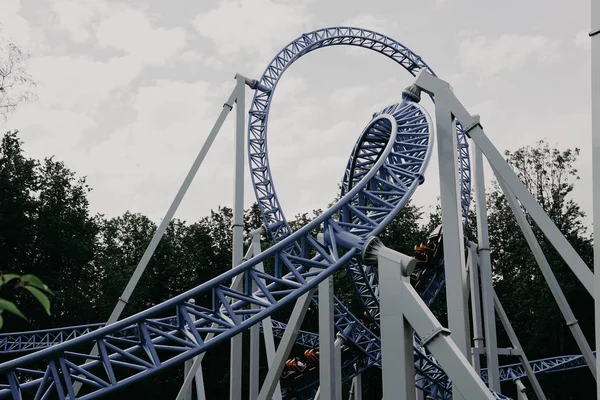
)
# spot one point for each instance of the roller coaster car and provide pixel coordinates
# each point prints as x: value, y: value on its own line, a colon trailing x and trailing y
x: 312, y: 356
x: 428, y: 255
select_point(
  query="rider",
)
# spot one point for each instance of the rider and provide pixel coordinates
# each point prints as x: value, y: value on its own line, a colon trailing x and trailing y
x: 428, y: 255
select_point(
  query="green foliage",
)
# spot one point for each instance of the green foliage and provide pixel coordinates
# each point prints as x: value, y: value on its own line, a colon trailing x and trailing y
x: 26, y: 282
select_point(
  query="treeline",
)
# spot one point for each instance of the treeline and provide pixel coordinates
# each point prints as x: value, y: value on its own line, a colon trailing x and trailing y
x: 48, y: 229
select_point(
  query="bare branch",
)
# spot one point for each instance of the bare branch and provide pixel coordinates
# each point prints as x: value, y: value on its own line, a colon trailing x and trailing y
x: 16, y: 84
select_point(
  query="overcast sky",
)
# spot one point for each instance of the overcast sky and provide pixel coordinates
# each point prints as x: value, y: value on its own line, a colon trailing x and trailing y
x: 128, y: 90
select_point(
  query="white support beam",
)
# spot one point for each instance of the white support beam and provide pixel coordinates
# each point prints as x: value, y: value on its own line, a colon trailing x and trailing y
x: 357, y: 385
x: 478, y: 338
x: 326, y: 341
x: 485, y: 269
x: 595, y: 89
x: 266, y: 323
x: 520, y: 390
x: 235, y: 364
x: 454, y: 259
x: 397, y: 357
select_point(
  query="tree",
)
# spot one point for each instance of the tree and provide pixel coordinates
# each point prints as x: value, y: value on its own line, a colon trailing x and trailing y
x: 16, y: 85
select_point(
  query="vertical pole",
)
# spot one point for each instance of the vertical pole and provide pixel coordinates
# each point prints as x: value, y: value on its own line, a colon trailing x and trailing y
x: 520, y: 390
x: 267, y: 324
x: 595, y: 38
x: 485, y: 265
x: 357, y: 387
x: 186, y: 369
x: 475, y: 307
x: 396, y: 333
x: 254, y: 333
x: 235, y: 369
x: 326, y: 340
x: 454, y: 259
x: 198, y: 377
x: 338, y: 367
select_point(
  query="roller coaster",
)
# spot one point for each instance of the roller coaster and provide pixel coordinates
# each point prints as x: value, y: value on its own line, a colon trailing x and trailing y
x: 397, y: 333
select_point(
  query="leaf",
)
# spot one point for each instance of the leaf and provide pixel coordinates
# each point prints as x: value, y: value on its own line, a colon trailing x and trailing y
x: 36, y: 282
x: 11, y: 307
x: 4, y: 278
x: 1, y: 321
x: 41, y: 297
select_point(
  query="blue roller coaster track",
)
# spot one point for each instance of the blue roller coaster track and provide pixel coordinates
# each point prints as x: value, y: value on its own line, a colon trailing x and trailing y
x: 385, y: 168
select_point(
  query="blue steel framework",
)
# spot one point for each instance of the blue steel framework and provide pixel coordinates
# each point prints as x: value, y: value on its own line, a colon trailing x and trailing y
x: 143, y: 344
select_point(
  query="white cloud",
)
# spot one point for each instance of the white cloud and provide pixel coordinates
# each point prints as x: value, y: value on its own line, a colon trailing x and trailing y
x: 169, y: 101
x: 348, y: 95
x: 509, y: 52
x: 130, y: 31
x: 249, y: 25
x: 367, y: 21
x: 14, y: 26
x: 48, y: 132
x: 76, y: 17
x: 583, y: 40
x: 121, y: 27
x: 169, y: 126
x: 80, y: 83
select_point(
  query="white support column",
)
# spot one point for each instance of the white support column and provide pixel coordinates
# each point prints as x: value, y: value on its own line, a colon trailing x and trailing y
x: 235, y: 368
x: 198, y: 377
x: 338, y: 367
x: 454, y: 259
x: 595, y: 38
x: 478, y: 343
x: 254, y: 384
x: 357, y: 382
x: 327, y: 362
x: 553, y: 285
x: 267, y: 324
x: 520, y: 390
x: 396, y: 333
x: 285, y: 346
x: 485, y: 269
